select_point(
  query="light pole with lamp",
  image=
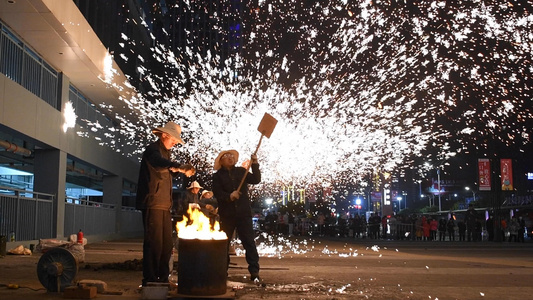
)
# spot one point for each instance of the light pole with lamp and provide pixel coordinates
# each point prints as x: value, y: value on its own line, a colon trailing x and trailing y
x: 438, y: 182
x: 399, y: 203
x: 358, y: 203
x: 420, y: 189
x: 438, y: 186
x: 473, y: 193
x: 430, y: 198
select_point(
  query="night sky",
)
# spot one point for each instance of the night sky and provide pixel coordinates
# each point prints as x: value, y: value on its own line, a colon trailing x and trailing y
x: 357, y: 87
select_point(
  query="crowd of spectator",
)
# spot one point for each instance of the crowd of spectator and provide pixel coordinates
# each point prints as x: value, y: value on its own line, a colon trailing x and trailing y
x: 470, y: 226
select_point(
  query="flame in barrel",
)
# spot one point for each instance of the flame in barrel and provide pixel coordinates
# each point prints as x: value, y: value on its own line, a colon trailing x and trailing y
x: 198, y: 226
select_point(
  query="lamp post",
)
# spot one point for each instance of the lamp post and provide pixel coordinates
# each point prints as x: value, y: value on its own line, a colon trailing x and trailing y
x: 399, y: 202
x: 473, y: 193
x: 438, y: 186
x: 358, y: 203
x: 438, y: 181
x: 420, y: 189
x: 430, y: 197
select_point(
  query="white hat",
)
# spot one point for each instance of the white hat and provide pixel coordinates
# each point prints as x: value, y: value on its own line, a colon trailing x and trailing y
x: 206, y: 194
x: 217, y: 160
x: 194, y: 184
x: 171, y: 128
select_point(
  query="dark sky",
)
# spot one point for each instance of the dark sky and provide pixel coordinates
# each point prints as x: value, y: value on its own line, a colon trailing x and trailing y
x: 459, y: 72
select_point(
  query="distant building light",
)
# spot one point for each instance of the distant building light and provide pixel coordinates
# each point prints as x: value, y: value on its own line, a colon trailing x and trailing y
x: 530, y: 175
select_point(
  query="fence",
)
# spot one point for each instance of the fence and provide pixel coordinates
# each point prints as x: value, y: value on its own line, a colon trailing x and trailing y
x: 130, y: 220
x: 30, y: 216
x: 95, y: 218
x: 91, y: 217
x: 19, y: 63
x: 26, y: 215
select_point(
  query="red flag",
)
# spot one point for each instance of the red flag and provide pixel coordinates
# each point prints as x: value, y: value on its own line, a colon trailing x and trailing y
x: 484, y: 174
x: 506, y: 167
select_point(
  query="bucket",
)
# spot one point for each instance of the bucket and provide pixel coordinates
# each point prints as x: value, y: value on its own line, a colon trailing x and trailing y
x: 3, y: 241
x: 202, y: 267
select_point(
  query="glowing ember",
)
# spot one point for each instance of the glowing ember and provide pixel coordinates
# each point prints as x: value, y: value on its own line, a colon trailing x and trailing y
x: 199, y: 227
x: 356, y: 85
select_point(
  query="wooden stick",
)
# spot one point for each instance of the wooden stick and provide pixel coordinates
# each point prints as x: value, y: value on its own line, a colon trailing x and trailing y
x: 248, y: 168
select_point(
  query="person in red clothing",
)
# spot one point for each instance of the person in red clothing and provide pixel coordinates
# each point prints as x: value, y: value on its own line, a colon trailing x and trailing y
x: 433, y: 226
x: 425, y: 228
x: 503, y: 223
x: 384, y: 228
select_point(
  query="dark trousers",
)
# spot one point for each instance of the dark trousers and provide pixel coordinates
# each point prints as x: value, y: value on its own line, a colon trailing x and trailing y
x: 462, y: 235
x: 245, y: 231
x: 157, y: 246
x: 470, y: 234
x: 451, y: 235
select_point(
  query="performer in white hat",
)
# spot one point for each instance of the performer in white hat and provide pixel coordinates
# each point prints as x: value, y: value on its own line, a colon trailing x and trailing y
x: 154, y: 199
x: 204, y: 203
x: 234, y: 207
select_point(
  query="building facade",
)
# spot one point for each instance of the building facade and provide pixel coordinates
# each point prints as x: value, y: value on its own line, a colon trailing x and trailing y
x: 58, y: 177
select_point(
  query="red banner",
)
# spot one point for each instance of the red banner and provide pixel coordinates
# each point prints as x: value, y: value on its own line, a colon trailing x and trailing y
x: 506, y: 167
x: 484, y: 174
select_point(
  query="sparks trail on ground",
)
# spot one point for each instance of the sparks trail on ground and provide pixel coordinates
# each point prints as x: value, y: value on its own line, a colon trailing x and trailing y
x: 275, y: 245
x: 356, y: 86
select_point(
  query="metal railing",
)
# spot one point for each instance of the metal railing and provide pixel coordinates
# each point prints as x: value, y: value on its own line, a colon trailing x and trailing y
x: 91, y: 217
x: 22, y: 65
x: 26, y: 215
x: 130, y: 220
x: 96, y: 218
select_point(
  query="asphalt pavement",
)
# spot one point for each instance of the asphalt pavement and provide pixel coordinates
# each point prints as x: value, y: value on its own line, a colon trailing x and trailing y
x: 314, y: 268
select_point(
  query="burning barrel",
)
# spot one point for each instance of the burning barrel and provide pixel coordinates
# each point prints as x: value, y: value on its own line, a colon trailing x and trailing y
x: 202, y: 267
x: 202, y: 256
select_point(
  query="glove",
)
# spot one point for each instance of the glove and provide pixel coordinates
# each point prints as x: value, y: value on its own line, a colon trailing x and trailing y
x: 254, y: 159
x: 188, y: 170
x: 235, y: 195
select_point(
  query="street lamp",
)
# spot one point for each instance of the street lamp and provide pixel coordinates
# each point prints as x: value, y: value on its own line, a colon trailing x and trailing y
x: 429, y: 198
x: 358, y: 203
x: 450, y: 196
x: 420, y: 189
x: 473, y: 193
x: 399, y: 202
x: 438, y: 183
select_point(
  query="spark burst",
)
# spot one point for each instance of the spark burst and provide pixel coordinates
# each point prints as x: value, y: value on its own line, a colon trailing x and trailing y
x: 357, y: 86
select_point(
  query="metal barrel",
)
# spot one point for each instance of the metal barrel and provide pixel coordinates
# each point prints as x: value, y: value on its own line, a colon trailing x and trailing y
x: 202, y: 267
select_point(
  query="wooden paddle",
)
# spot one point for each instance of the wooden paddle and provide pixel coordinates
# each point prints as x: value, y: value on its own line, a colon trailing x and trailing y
x: 266, y: 127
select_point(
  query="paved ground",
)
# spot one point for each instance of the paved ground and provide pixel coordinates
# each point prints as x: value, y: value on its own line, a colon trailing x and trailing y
x: 320, y: 268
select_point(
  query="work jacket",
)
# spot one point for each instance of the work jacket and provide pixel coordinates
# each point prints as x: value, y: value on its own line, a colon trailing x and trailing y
x: 154, y: 188
x: 225, y: 182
